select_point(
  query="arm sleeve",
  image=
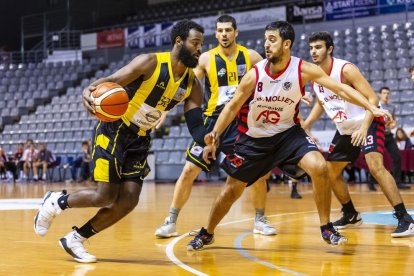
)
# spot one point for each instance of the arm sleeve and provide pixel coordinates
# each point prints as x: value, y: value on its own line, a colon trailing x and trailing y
x: 194, y: 119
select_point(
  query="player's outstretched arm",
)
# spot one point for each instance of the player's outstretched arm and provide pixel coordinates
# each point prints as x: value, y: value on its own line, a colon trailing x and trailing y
x: 311, y: 72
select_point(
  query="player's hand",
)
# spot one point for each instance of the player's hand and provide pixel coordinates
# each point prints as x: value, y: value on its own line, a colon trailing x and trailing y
x: 378, y: 112
x: 358, y: 137
x: 308, y: 98
x: 209, y: 153
x: 87, y: 99
x: 211, y: 139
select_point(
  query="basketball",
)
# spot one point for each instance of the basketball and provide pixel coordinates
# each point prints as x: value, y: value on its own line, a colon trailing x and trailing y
x: 110, y: 101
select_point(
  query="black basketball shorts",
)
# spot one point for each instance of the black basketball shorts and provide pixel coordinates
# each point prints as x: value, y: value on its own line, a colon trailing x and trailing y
x: 119, y: 154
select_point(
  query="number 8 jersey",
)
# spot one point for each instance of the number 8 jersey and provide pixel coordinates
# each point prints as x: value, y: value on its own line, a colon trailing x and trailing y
x: 274, y: 107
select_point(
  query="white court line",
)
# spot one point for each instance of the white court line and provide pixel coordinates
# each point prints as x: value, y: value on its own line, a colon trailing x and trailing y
x: 170, y: 247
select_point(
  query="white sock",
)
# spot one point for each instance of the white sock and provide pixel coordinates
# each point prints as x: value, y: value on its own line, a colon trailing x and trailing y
x: 44, y: 176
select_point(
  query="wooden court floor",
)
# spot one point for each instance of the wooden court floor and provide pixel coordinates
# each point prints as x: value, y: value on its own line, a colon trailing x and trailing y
x: 130, y: 248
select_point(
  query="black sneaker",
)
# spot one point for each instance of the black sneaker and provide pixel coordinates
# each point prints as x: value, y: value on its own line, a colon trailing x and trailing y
x: 350, y: 219
x: 202, y: 238
x: 332, y: 237
x: 295, y: 195
x: 405, y: 226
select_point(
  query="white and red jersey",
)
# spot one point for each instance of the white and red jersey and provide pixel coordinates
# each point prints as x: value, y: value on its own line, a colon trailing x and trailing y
x: 274, y: 107
x: 348, y: 117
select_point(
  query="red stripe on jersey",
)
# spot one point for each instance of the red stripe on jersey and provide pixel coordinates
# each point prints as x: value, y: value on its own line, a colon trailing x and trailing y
x: 295, y: 116
x: 380, y: 150
x: 330, y: 69
x: 302, y: 89
x: 242, y: 129
x: 379, y: 119
x: 380, y: 142
x: 257, y: 73
x: 380, y: 134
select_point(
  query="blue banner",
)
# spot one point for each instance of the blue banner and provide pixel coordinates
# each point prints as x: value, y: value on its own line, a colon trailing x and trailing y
x: 134, y: 35
x: 343, y: 9
x: 391, y: 6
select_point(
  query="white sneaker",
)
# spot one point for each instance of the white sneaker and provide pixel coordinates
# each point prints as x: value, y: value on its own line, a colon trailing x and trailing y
x: 262, y: 226
x: 167, y: 230
x: 73, y: 245
x: 47, y: 212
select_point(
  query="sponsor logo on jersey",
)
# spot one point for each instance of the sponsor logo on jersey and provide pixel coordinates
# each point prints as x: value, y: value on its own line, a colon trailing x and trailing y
x: 241, y: 70
x: 275, y: 81
x: 161, y: 85
x: 276, y: 99
x: 332, y: 98
x: 269, y: 116
x: 222, y: 72
x: 153, y: 116
x: 287, y: 85
x: 340, y: 116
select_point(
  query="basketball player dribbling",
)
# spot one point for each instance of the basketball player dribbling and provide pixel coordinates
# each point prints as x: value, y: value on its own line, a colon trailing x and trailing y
x: 274, y: 136
x: 155, y: 84
x: 352, y: 123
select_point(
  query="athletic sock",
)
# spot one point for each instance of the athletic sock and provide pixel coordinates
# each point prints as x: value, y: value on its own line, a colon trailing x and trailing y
x: 174, y: 214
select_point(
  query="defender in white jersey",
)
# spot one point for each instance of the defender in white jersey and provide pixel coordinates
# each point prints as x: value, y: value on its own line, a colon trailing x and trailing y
x: 274, y: 136
x: 353, y: 124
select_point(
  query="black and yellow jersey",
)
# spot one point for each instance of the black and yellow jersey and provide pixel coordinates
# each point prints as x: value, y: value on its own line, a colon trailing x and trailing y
x: 223, y: 78
x: 150, y: 100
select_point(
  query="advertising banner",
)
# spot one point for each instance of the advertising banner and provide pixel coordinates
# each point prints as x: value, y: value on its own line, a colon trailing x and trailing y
x: 110, y: 39
x: 391, y: 6
x: 249, y: 20
x: 88, y: 42
x: 133, y: 37
x: 297, y: 13
x: 163, y: 36
x: 343, y: 9
x: 149, y: 35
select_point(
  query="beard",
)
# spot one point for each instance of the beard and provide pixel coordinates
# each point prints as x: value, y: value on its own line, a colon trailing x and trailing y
x: 276, y: 57
x: 186, y: 58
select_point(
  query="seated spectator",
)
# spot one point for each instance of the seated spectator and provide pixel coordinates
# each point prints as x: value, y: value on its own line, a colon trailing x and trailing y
x: 3, y: 160
x: 7, y: 168
x: 18, y: 159
x: 402, y: 139
x: 44, y: 159
x: 28, y: 157
x: 82, y: 162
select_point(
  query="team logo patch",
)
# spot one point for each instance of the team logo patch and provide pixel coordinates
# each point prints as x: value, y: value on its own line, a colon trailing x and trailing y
x: 153, y: 116
x: 179, y: 95
x: 196, y: 151
x: 236, y: 161
x: 222, y: 72
x: 331, y: 148
x: 241, y: 70
x: 287, y: 85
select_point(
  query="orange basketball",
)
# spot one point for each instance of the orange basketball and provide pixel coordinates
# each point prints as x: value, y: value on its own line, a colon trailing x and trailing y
x: 110, y: 100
